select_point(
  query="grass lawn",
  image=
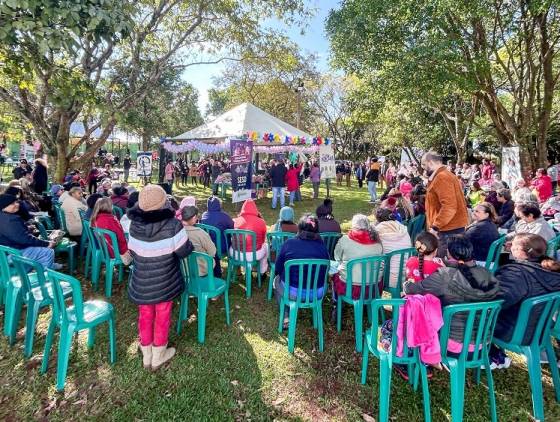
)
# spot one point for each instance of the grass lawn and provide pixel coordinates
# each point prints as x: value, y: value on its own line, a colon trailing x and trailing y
x: 242, y: 372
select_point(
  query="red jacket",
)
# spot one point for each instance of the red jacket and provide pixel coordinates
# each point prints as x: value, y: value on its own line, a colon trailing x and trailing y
x: 109, y: 222
x: 249, y: 219
x: 292, y: 178
x: 543, y: 185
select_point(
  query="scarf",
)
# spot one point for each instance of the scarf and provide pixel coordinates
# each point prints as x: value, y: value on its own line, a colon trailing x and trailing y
x: 360, y: 236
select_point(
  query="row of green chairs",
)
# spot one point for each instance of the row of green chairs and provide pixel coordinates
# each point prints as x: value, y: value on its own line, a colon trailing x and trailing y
x: 552, y: 247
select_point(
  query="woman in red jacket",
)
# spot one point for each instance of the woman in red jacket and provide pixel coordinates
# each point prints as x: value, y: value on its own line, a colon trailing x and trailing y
x: 292, y: 181
x: 543, y: 185
x: 103, y: 218
x: 250, y: 219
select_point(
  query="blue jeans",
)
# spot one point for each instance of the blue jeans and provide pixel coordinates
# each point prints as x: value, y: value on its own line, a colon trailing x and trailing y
x: 372, y: 189
x: 292, y: 197
x: 44, y: 256
x: 276, y: 192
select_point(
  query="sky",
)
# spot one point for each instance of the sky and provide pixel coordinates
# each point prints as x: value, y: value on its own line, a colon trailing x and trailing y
x: 314, y: 41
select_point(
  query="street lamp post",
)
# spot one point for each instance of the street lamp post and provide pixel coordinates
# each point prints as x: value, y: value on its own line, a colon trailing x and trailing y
x: 299, y: 90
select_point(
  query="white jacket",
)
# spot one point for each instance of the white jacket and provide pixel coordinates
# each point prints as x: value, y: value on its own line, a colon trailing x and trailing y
x: 70, y: 206
x: 394, y: 236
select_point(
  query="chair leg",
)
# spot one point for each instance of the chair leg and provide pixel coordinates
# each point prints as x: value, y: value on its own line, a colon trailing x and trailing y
x: 259, y: 276
x: 91, y: 338
x: 248, y: 281
x: 491, y: 393
x: 66, y: 334
x: 226, y: 301
x: 339, y: 314
x: 71, y: 259
x: 108, y: 279
x: 87, y: 262
x: 365, y: 358
x: 314, y: 317
x: 202, y: 305
x: 320, y: 325
x: 270, y: 280
x: 457, y: 375
x: 95, y: 269
x: 112, y: 340
x: 121, y: 273
x: 281, y: 307
x: 358, y: 320
x: 369, y: 313
x: 553, y: 369
x: 48, y: 345
x: 183, y: 310
x: 12, y: 310
x: 292, y: 328
x: 33, y: 309
x: 534, y: 367
x: 385, y: 371
x: 425, y: 392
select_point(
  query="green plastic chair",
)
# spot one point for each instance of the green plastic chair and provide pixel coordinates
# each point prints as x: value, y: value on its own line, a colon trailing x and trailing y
x: 36, y: 293
x: 552, y: 247
x: 368, y: 270
x: 71, y: 319
x: 531, y: 347
x: 101, y: 236
x: 9, y: 283
x: 117, y: 212
x: 493, y: 259
x: 215, y: 235
x: 60, y: 216
x: 84, y: 237
x: 65, y: 246
x: 480, y: 320
x: 275, y: 241
x: 237, y: 246
x: 309, y: 272
x: 94, y: 255
x: 392, y: 259
x: 415, y: 226
x: 203, y: 288
x: 330, y: 239
x: 410, y: 359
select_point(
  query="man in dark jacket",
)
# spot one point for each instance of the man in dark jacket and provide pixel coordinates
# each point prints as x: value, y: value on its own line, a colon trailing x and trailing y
x: 15, y: 234
x: 372, y: 177
x: 216, y: 170
x: 507, y: 208
x: 278, y: 183
x: 222, y: 221
x: 127, y: 163
x: 21, y: 170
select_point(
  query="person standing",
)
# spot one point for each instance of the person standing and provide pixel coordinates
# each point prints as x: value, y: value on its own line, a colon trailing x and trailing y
x: 169, y: 173
x: 40, y: 177
x: 127, y: 163
x: 292, y: 181
x: 315, y: 177
x: 360, y: 174
x: 339, y: 173
x: 372, y: 177
x: 552, y: 171
x: 215, y: 170
x: 347, y: 174
x: 278, y: 183
x: 446, y: 208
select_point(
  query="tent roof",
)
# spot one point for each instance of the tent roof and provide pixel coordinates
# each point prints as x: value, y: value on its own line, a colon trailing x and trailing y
x: 240, y: 120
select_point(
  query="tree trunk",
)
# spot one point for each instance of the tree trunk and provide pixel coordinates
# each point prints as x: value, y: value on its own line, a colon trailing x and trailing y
x: 62, y: 147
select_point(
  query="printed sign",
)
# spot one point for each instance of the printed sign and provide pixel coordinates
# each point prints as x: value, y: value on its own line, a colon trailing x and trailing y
x: 511, y: 166
x: 241, y: 169
x: 326, y: 162
x: 144, y: 163
x: 27, y: 152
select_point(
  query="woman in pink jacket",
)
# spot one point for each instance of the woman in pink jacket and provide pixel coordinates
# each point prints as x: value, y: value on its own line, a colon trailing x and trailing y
x: 543, y: 185
x: 292, y: 181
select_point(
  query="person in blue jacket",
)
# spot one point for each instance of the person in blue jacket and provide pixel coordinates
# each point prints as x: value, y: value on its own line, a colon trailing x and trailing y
x: 306, y: 244
x: 218, y: 218
x: 15, y: 234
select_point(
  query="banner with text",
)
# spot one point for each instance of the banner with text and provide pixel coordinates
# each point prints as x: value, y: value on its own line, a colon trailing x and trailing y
x: 144, y: 163
x: 241, y: 169
x: 511, y: 166
x: 326, y: 162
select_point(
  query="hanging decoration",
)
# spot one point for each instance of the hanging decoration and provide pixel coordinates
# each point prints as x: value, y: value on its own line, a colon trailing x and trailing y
x: 194, y: 145
x: 269, y: 137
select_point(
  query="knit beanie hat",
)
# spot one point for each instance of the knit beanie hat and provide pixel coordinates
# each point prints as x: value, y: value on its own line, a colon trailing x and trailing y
x: 7, y: 200
x: 152, y: 198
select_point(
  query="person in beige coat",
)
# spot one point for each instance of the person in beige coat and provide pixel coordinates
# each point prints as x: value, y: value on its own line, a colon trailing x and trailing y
x: 199, y: 238
x: 70, y: 206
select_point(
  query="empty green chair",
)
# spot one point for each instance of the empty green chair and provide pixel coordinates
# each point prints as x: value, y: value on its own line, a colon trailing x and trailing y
x: 330, y: 239
x: 540, y: 309
x: 480, y: 320
x: 36, y: 293
x: 493, y: 259
x: 203, y: 288
x: 367, y: 272
x: 552, y: 247
x: 410, y: 358
x: 71, y: 319
x: 311, y: 273
x: 84, y: 237
x: 275, y: 241
x: 238, y: 242
x: 415, y: 226
x: 65, y: 246
x: 215, y: 235
x: 9, y: 283
x: 117, y: 212
x: 396, y: 259
x: 60, y: 216
x: 101, y: 236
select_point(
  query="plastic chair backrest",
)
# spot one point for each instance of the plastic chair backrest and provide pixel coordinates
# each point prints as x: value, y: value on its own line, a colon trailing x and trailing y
x: 103, y: 237
x: 396, y: 258
x: 493, y: 258
x: 309, y: 275
x: 61, y: 216
x: 480, y: 320
x: 82, y: 214
x: 416, y: 226
x: 552, y: 247
x: 275, y: 241
x: 214, y: 234
x: 60, y: 310
x: 238, y: 240
x: 330, y: 239
x: 197, y: 281
x: 6, y: 251
x: 23, y: 265
x: 92, y: 241
x: 548, y: 306
x: 367, y: 271
x: 42, y: 230
x: 117, y: 212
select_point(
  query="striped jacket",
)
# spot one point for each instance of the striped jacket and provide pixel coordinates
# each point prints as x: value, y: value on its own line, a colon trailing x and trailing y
x: 157, y: 242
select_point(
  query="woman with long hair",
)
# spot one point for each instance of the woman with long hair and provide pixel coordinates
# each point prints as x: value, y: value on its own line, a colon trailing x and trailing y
x: 426, y: 263
x: 483, y: 231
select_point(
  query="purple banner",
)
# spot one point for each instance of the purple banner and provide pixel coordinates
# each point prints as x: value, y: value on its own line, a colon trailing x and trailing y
x: 241, y: 164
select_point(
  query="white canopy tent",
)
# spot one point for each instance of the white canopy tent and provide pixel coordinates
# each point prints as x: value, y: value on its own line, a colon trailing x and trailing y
x: 239, y: 121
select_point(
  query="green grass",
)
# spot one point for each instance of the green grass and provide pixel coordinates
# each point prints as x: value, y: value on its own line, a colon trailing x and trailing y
x: 241, y: 372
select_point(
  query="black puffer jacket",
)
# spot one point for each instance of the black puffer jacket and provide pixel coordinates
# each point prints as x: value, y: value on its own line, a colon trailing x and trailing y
x: 519, y: 281
x: 157, y: 243
x: 452, y: 288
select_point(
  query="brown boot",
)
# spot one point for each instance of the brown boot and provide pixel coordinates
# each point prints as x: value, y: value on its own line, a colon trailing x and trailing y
x: 161, y: 355
x: 146, y: 356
